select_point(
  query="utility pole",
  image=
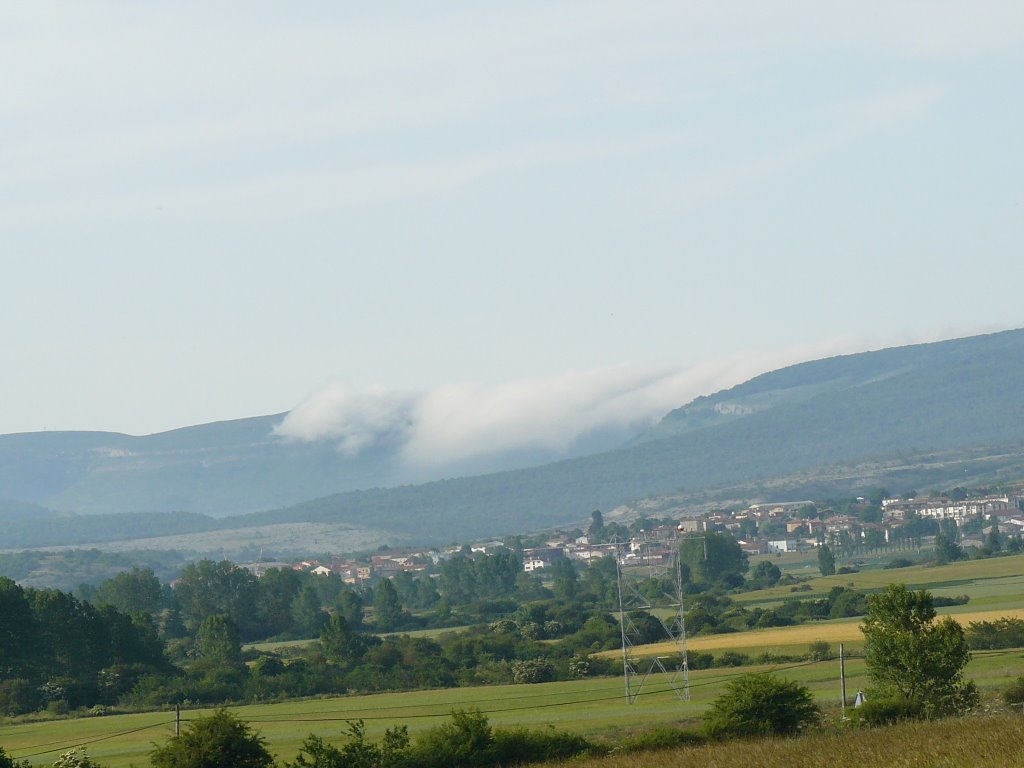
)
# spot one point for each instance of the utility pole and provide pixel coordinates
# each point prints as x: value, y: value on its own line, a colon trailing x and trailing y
x: 842, y: 677
x: 177, y: 719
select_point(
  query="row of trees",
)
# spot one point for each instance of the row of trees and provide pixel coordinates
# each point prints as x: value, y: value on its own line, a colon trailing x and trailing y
x: 57, y: 649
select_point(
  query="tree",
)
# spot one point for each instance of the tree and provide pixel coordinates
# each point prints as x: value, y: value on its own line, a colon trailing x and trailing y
x: 760, y: 705
x: 596, y: 528
x: 350, y: 606
x: 218, y: 741
x: 566, y: 583
x: 207, y: 588
x: 766, y: 574
x: 218, y: 642
x: 339, y: 643
x: 995, y: 539
x: 715, y: 557
x: 912, y: 656
x: 276, y: 592
x: 946, y: 549
x: 6, y: 761
x: 134, y: 591
x: 387, y: 609
x: 826, y: 560
x: 306, y: 613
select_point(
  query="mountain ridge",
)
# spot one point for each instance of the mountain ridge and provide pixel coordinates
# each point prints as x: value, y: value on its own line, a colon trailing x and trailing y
x: 961, y: 394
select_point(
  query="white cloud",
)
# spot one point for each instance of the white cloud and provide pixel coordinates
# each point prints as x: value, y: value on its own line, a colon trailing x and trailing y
x: 354, y: 420
x: 471, y: 420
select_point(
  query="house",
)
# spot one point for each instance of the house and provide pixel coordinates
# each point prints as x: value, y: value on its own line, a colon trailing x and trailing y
x: 783, y: 545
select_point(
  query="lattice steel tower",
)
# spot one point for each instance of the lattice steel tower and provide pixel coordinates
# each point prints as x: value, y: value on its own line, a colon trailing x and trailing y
x: 650, y: 579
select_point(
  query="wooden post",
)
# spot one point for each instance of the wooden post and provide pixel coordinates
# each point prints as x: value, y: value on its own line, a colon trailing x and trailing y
x: 842, y: 677
x: 177, y: 719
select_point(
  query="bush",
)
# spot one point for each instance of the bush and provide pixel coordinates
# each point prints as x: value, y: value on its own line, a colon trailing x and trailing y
x: 519, y: 746
x: 6, y: 761
x: 1015, y: 693
x: 732, y: 659
x: 887, y: 711
x: 465, y: 741
x: 760, y: 705
x: 661, y: 737
x: 17, y: 697
x: 218, y: 741
x: 899, y: 562
x: 819, y: 650
x: 533, y: 671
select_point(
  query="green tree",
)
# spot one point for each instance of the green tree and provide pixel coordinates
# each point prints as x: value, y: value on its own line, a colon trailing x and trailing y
x: 350, y: 606
x: 911, y: 655
x: 716, y: 556
x: 6, y: 761
x: 565, y: 578
x: 16, y: 629
x: 995, y: 539
x: 134, y: 591
x: 826, y: 560
x: 760, y: 705
x: 766, y: 574
x: 339, y: 643
x: 207, y: 588
x: 220, y: 740
x: 218, y: 642
x: 306, y: 613
x: 276, y: 591
x: 946, y: 549
x: 387, y: 609
x: 595, y: 531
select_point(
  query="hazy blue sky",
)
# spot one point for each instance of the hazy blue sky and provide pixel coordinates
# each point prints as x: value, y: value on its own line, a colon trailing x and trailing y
x: 586, y: 211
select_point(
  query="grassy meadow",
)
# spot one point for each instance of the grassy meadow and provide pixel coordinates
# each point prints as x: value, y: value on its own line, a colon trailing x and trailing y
x: 994, y: 742
x: 594, y: 707
x: 597, y: 707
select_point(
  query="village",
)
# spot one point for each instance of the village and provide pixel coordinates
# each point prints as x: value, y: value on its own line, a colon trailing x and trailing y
x: 765, y: 528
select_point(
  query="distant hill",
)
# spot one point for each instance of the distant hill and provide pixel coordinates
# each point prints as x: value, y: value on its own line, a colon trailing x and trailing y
x: 948, y: 396
x: 958, y: 397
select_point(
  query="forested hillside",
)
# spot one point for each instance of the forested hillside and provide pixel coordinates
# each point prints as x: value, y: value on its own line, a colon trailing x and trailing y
x: 963, y: 397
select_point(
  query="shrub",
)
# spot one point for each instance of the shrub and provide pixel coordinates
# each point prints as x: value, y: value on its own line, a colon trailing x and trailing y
x: 732, y: 659
x: 886, y: 711
x: 661, y: 737
x: 6, y: 761
x: 819, y: 650
x: 533, y: 671
x: 1015, y: 693
x: 76, y: 758
x: 699, y: 660
x: 520, y: 746
x: 217, y: 741
x: 17, y: 696
x: 466, y: 740
x: 760, y: 705
x: 899, y: 562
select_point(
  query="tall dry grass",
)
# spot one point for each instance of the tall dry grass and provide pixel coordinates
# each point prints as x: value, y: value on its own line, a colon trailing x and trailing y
x: 996, y: 741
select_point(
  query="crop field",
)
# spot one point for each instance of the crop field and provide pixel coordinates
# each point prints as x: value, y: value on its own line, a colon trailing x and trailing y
x: 595, y: 707
x: 795, y: 639
x: 992, y: 583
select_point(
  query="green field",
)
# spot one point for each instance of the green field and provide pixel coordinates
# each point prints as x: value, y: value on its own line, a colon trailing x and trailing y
x: 993, y: 583
x: 595, y: 707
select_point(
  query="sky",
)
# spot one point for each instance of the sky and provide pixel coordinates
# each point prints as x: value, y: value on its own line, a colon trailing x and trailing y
x: 531, y: 217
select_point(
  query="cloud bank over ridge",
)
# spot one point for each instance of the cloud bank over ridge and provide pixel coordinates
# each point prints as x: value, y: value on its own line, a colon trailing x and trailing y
x: 551, y: 416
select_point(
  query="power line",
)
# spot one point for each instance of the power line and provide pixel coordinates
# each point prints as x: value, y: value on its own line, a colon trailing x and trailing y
x: 81, y: 743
